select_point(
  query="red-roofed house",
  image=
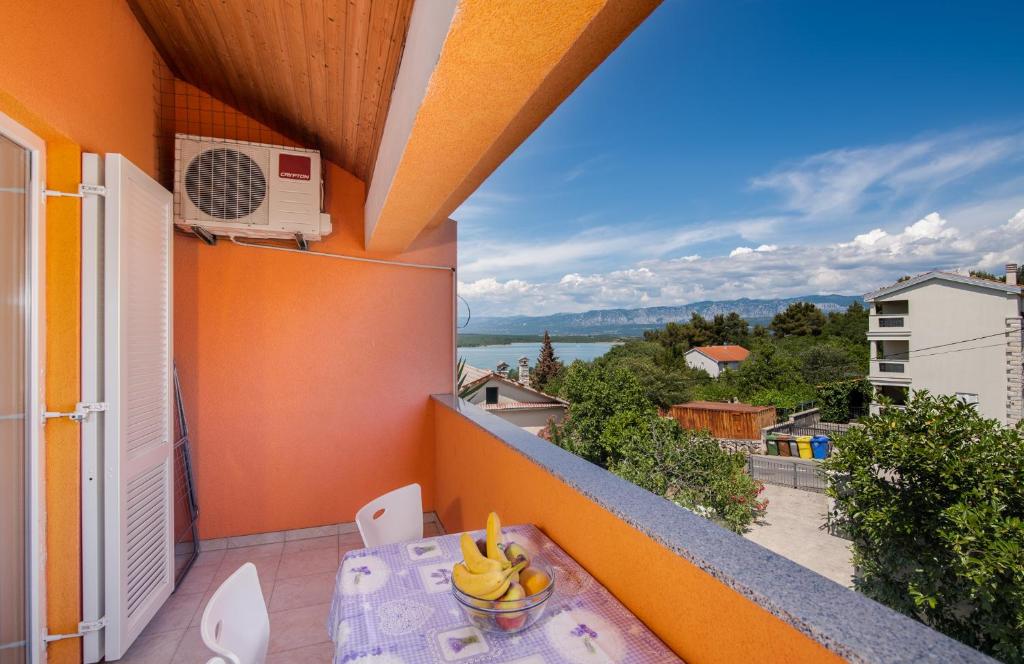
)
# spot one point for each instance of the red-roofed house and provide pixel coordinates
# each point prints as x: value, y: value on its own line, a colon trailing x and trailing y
x: 716, y: 359
x: 513, y: 401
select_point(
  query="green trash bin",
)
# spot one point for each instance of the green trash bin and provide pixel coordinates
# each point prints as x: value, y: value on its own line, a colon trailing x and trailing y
x: 773, y: 444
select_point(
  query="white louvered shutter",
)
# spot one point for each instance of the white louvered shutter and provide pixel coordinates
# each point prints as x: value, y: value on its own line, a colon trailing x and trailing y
x: 138, y: 443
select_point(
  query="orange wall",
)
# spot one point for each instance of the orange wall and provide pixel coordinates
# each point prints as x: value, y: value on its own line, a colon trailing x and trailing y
x: 306, y: 379
x: 80, y: 76
x: 700, y: 618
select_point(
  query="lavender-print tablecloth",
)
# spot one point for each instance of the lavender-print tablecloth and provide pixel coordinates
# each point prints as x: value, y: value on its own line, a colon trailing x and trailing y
x: 393, y: 605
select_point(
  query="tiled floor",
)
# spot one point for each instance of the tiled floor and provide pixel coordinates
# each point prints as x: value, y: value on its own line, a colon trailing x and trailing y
x: 297, y: 578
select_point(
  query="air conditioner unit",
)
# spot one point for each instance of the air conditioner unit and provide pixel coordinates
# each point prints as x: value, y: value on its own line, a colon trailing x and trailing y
x: 248, y: 189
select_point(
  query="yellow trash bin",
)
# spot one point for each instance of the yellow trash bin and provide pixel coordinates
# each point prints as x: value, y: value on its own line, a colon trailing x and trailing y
x: 803, y: 443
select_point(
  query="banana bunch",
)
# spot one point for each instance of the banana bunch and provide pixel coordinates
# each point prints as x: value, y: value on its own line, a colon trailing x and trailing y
x: 485, y: 577
x: 489, y: 585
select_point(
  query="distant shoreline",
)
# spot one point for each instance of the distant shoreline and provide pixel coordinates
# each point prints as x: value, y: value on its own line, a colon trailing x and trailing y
x: 473, y: 339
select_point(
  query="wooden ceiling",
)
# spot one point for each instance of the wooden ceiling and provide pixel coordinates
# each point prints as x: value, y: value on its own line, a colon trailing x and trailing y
x: 319, y: 71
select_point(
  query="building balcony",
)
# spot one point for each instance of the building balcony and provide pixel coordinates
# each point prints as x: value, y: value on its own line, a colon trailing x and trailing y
x: 890, y: 371
x: 709, y: 594
x: 888, y: 326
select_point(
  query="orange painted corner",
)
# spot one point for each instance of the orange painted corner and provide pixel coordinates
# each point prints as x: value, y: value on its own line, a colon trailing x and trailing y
x: 307, y: 379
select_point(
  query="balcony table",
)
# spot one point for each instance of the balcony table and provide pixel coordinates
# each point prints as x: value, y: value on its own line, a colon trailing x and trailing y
x: 393, y: 604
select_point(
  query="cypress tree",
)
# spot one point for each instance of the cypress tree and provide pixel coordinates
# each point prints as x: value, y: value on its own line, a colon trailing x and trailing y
x: 548, y: 366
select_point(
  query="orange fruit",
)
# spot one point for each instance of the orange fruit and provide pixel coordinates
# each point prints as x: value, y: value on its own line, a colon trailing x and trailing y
x: 533, y: 580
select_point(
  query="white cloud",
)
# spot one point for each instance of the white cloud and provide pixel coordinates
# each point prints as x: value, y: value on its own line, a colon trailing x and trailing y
x: 763, y: 249
x: 847, y: 180
x: 837, y: 229
x: 487, y: 256
x: 484, y: 204
x: 865, y: 262
x: 1016, y: 222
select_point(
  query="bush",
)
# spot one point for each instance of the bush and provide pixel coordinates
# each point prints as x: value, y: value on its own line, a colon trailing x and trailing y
x: 790, y: 399
x: 933, y: 499
x: 612, y: 423
x: 596, y: 395
x: 689, y: 468
x: 841, y: 401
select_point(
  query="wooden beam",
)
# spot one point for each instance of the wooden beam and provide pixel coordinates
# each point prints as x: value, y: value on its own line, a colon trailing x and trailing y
x: 504, y: 67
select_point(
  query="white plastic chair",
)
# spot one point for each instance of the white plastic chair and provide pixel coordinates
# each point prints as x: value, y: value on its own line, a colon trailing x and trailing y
x: 396, y: 516
x: 235, y: 624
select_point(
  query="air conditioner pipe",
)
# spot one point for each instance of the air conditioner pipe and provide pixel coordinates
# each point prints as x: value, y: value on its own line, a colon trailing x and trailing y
x: 360, y: 259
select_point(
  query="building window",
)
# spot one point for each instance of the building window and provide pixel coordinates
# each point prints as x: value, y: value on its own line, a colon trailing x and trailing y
x: 894, y: 393
x: 491, y: 395
x: 968, y: 398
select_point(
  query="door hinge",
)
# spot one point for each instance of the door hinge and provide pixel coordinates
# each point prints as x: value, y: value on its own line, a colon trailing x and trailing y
x: 81, y: 412
x: 83, y: 191
x: 83, y: 628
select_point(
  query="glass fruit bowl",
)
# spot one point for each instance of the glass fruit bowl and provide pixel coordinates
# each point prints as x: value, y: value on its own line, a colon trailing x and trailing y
x: 506, y: 616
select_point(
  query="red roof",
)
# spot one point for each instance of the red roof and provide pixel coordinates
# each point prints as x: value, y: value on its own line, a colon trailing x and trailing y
x: 724, y: 353
x: 521, y: 405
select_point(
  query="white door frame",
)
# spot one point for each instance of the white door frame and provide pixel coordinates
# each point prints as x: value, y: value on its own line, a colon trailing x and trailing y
x: 36, y: 338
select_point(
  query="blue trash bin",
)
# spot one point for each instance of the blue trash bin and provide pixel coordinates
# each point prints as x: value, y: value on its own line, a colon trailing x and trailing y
x: 820, y: 447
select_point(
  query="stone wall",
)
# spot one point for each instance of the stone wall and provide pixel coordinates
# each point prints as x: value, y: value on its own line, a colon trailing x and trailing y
x: 746, y: 446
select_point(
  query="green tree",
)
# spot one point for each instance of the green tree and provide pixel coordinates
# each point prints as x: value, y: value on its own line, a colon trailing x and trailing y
x: 851, y: 324
x: 768, y: 366
x: 680, y: 337
x: 666, y: 379
x: 933, y: 498
x: 799, y: 319
x: 843, y: 400
x: 687, y: 467
x: 982, y: 274
x: 612, y: 423
x: 548, y: 367
x: 595, y: 396
x: 823, y: 362
x: 728, y: 328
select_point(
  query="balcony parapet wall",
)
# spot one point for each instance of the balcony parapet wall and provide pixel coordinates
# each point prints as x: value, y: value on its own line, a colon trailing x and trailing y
x: 710, y: 594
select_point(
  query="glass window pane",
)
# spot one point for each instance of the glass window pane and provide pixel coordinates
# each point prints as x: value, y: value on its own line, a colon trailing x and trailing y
x: 13, y: 320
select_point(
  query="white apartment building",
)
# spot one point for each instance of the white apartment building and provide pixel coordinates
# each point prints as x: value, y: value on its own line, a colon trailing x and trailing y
x: 950, y: 334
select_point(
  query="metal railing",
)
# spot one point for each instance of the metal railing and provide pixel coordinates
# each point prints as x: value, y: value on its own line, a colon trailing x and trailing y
x: 895, y: 321
x: 793, y: 473
x: 830, y: 429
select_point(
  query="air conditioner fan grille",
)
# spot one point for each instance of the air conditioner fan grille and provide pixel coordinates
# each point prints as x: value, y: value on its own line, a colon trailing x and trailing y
x: 225, y: 184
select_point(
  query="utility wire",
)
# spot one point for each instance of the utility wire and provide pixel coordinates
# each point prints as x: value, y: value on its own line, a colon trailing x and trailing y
x: 951, y: 343
x: 898, y: 357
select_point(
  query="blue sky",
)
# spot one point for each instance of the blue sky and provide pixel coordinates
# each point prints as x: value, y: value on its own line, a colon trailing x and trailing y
x: 763, y: 149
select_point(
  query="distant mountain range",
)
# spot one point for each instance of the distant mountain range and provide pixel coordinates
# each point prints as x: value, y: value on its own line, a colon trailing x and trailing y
x: 632, y: 322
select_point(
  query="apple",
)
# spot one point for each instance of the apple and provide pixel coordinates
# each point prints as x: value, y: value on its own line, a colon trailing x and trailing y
x: 512, y: 599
